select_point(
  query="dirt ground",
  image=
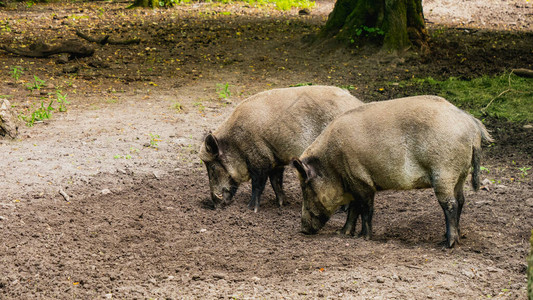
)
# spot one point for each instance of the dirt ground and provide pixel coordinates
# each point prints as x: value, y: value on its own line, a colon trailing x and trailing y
x: 137, y: 224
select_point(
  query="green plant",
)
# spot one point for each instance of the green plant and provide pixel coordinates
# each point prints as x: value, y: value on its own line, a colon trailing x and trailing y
x: 223, y: 90
x: 16, y: 71
x: 30, y: 4
x: 302, y: 84
x: 348, y: 87
x: 37, y: 84
x: 42, y: 113
x: 524, y: 171
x: 154, y: 139
x: 200, y: 106
x: 482, y: 168
x: 62, y: 100
x: 5, y: 26
x: 178, y: 107
x: 368, y: 31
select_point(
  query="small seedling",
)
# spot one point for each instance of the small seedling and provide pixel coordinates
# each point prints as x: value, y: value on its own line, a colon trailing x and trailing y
x: 223, y: 90
x: 62, y: 100
x: 524, y: 171
x: 201, y: 107
x: 484, y: 169
x: 36, y: 85
x: 40, y: 114
x: 178, y: 107
x: 301, y: 84
x: 16, y: 71
x: 154, y: 139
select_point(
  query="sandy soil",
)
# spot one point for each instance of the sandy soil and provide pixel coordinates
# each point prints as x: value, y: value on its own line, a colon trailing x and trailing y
x: 137, y: 225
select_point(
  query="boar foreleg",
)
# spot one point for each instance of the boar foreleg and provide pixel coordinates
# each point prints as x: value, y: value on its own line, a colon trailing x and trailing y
x: 276, y: 180
x: 354, y: 211
x: 258, y: 185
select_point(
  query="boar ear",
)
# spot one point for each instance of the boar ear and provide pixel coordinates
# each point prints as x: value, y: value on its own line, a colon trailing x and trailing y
x: 305, y: 170
x: 211, y: 145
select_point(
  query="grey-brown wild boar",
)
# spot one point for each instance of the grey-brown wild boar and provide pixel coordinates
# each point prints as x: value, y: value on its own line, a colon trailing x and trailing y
x: 264, y: 133
x: 408, y: 143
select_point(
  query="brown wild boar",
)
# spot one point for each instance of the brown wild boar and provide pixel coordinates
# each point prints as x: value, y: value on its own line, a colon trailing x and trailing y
x: 264, y: 133
x: 408, y: 143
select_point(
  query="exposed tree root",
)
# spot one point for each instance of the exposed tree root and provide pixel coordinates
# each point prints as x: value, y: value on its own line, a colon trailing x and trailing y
x: 40, y: 49
x: 106, y: 40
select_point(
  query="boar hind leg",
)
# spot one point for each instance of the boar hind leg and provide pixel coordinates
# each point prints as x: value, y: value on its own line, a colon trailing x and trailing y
x: 450, y: 206
x: 258, y: 185
x: 354, y: 211
x: 276, y: 180
x: 367, y: 211
x: 460, y: 197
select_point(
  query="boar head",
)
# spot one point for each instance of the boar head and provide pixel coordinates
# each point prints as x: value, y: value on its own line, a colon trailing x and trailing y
x: 223, y: 187
x: 319, y: 192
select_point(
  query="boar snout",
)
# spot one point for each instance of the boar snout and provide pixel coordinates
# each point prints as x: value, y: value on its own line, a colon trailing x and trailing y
x: 311, y: 224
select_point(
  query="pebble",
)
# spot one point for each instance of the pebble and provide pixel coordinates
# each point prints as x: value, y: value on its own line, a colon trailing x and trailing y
x: 529, y: 202
x: 108, y: 296
x: 106, y: 191
x: 203, y: 230
x: 380, y: 279
x: 255, y: 278
x: 528, y: 126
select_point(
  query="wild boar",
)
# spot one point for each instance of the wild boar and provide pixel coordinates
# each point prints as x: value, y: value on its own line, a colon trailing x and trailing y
x: 264, y: 133
x: 407, y: 143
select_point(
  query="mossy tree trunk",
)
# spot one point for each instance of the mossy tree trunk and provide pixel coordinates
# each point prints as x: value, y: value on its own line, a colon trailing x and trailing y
x: 392, y: 24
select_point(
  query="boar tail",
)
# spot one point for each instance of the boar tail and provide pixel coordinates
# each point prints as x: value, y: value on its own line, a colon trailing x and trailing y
x: 476, y: 159
x: 483, y: 131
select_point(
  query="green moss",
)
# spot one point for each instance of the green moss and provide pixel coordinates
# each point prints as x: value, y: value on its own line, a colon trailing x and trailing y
x: 506, y: 96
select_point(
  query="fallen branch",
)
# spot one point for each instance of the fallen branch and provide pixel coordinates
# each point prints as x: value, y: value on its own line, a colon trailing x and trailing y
x: 523, y: 73
x: 105, y: 40
x: 65, y: 195
x: 73, y: 47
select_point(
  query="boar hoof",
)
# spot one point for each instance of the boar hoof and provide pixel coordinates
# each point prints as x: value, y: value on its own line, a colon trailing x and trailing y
x: 253, y: 205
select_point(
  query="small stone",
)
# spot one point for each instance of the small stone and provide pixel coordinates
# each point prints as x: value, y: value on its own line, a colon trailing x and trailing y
x: 380, y: 279
x: 108, y: 296
x: 2, y: 218
x: 106, y: 191
x: 529, y: 202
x: 304, y: 12
x: 170, y: 277
x: 219, y: 276
x: 468, y: 274
x: 203, y: 230
x: 255, y: 278
x: 493, y: 270
x: 71, y: 69
x: 486, y: 182
x: 528, y: 126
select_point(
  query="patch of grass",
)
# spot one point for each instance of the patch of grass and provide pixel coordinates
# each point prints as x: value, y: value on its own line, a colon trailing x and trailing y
x: 278, y: 4
x: 506, y: 96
